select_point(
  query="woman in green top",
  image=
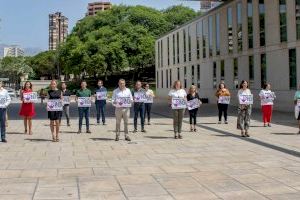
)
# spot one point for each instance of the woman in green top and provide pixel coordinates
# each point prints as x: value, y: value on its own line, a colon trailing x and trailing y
x: 297, y: 106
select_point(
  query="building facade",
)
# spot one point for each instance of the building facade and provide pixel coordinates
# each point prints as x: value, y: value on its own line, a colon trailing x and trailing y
x: 95, y: 7
x: 13, y: 51
x: 254, y: 40
x: 58, y: 30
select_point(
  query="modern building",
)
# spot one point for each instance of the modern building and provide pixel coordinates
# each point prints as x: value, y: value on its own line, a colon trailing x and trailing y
x: 254, y: 40
x: 13, y: 51
x: 95, y: 7
x: 58, y: 29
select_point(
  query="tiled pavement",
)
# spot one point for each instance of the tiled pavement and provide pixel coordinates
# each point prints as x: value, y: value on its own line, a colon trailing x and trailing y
x: 214, y: 163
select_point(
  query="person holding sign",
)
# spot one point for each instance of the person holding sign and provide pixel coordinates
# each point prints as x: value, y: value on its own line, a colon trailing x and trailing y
x: 193, y: 105
x: 139, y: 97
x: 297, y: 107
x: 122, y: 100
x: 83, y: 97
x: 27, y: 108
x: 244, y: 109
x: 223, y: 96
x: 266, y: 98
x: 54, y: 110
x: 101, y: 96
x: 4, y: 103
x: 177, y: 98
x: 66, y: 102
x: 148, y: 103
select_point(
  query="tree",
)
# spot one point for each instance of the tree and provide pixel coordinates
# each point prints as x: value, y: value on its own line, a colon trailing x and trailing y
x: 44, y: 64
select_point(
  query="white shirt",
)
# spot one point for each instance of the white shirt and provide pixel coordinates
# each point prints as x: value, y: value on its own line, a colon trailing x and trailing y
x: 4, y: 94
x: 267, y: 97
x: 149, y: 92
x: 244, y: 92
x: 181, y: 93
x: 117, y: 93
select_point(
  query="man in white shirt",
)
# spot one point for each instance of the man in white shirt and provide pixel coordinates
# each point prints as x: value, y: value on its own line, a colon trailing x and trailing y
x: 4, y: 102
x: 122, y: 100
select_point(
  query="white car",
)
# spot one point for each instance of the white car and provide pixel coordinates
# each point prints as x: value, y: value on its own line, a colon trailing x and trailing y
x: 12, y: 93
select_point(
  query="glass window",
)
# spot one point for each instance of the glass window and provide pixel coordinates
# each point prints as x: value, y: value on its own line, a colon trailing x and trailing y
x: 251, y: 70
x: 193, y: 75
x: 222, y: 70
x: 162, y: 79
x: 167, y: 78
x: 218, y: 34
x: 158, y: 54
x: 215, y: 75
x: 161, y: 54
x: 229, y: 30
x: 198, y: 37
x: 250, y: 23
x: 239, y: 27
x: 184, y: 45
x: 185, y: 77
x: 178, y: 73
x: 170, y: 78
x: 168, y: 45
x: 190, y: 43
x: 236, y: 72
x: 263, y: 69
x: 178, y: 52
x: 283, y: 22
x: 203, y: 40
x: 210, y: 35
x: 262, y: 22
x: 293, y: 69
x: 198, y: 76
x: 298, y: 18
x: 174, y: 59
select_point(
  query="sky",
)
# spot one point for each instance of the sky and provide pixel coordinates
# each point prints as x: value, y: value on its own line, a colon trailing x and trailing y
x: 25, y: 22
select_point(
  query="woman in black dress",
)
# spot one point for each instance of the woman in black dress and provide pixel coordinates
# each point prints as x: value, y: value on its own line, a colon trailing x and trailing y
x: 193, y: 94
x: 54, y: 116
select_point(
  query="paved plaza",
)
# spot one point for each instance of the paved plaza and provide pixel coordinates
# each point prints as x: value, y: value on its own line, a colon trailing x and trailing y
x: 214, y: 163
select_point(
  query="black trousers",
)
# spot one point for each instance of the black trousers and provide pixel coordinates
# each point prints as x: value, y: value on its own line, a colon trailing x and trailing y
x: 193, y: 116
x: 222, y: 109
x: 147, y: 112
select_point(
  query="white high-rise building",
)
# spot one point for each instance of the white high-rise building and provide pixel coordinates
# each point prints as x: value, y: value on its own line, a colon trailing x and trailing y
x: 13, y: 51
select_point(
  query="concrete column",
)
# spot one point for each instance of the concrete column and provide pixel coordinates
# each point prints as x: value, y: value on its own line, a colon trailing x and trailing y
x: 272, y: 22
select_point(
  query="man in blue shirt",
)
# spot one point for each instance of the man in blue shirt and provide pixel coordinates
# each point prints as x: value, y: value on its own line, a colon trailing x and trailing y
x: 101, y: 96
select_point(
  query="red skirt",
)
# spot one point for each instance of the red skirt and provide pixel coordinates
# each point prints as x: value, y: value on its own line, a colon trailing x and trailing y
x: 27, y: 110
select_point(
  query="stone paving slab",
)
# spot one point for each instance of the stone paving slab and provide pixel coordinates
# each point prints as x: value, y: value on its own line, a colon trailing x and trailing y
x: 214, y: 163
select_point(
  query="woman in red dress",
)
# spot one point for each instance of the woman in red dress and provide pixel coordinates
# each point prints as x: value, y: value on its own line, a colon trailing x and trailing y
x: 27, y: 109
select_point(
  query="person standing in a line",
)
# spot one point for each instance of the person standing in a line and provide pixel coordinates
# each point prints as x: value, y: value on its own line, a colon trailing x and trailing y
x: 148, y: 104
x: 222, y: 106
x: 139, y: 106
x: 193, y: 94
x: 178, y: 113
x: 267, y: 97
x: 4, y: 103
x: 54, y: 116
x: 101, y: 96
x: 297, y: 107
x: 122, y: 100
x: 84, y: 111
x: 66, y: 102
x: 244, y: 110
x: 27, y: 108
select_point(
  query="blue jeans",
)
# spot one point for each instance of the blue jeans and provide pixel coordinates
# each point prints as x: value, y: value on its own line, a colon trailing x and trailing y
x: 84, y: 112
x: 100, y: 109
x: 139, y: 108
x: 2, y: 122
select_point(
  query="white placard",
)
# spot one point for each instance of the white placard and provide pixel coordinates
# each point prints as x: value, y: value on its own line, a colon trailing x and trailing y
x: 178, y: 103
x: 193, y: 104
x: 246, y: 99
x: 149, y: 99
x: 140, y: 97
x: 123, y: 102
x: 30, y: 97
x: 66, y: 100
x: 224, y: 100
x: 54, y: 105
x: 84, y: 102
x: 101, y: 95
x: 3, y: 101
x: 267, y: 98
